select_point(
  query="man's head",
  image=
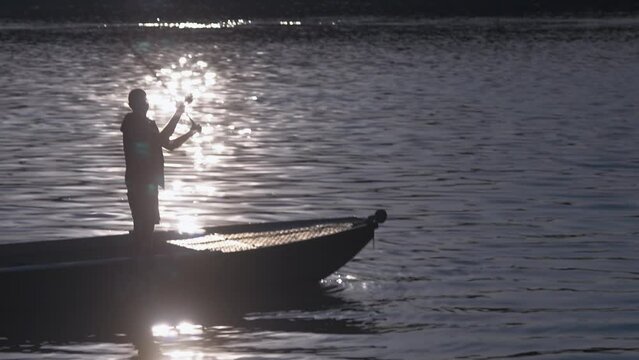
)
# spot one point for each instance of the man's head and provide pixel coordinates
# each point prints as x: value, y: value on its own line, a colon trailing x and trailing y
x: 137, y: 101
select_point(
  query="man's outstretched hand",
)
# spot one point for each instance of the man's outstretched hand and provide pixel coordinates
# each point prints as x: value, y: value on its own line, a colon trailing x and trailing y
x: 179, y: 108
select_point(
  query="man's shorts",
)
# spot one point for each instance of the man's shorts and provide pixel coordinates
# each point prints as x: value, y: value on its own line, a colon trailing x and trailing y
x: 143, y: 201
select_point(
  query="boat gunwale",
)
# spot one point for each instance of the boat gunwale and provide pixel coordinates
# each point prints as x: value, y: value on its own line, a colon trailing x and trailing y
x: 164, y: 235
x: 359, y: 224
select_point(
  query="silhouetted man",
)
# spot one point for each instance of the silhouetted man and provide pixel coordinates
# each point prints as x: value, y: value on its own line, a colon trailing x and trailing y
x: 143, y: 143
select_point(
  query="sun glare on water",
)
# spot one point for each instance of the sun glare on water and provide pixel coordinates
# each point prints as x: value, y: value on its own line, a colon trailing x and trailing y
x: 188, y: 224
x: 183, y: 328
x: 189, y: 170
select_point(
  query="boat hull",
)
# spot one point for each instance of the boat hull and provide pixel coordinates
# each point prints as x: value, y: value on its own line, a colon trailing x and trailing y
x: 94, y: 269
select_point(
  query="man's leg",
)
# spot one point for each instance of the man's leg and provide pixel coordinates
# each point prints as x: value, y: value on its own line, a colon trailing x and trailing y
x: 143, y: 236
x: 144, y: 209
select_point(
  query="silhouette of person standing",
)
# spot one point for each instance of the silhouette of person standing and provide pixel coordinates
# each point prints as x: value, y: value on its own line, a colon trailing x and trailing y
x: 143, y: 143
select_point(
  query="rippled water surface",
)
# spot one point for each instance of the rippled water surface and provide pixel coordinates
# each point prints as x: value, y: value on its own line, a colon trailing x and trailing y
x: 505, y: 153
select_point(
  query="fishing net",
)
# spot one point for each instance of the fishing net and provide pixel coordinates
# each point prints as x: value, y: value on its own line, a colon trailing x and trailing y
x: 253, y: 240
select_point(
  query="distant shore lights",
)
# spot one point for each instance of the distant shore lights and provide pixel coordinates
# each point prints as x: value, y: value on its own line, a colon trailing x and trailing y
x: 196, y: 25
x: 213, y: 25
x: 291, y: 23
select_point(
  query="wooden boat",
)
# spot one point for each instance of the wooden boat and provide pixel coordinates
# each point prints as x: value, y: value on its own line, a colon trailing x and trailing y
x: 251, y: 255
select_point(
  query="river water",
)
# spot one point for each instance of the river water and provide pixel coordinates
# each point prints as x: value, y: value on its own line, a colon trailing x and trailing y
x: 505, y: 153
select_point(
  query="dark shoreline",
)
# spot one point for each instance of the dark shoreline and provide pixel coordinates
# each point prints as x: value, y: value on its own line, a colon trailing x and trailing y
x: 195, y: 10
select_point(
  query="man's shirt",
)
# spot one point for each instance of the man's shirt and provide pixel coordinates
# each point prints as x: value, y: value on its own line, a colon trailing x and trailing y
x: 142, y: 152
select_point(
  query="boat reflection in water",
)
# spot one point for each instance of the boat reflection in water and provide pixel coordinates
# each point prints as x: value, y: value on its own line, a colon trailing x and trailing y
x: 149, y: 327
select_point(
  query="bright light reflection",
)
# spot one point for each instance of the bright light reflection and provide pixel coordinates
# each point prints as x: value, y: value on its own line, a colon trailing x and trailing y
x: 186, y: 328
x: 291, y: 23
x: 163, y: 330
x: 188, y: 224
x: 196, y: 25
x: 176, y: 188
x: 183, y: 328
x: 188, y: 77
x: 188, y: 74
x: 218, y: 148
x: 162, y: 103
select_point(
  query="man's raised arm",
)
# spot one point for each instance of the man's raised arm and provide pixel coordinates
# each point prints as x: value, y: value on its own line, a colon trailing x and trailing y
x: 168, y: 130
x: 176, y: 143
